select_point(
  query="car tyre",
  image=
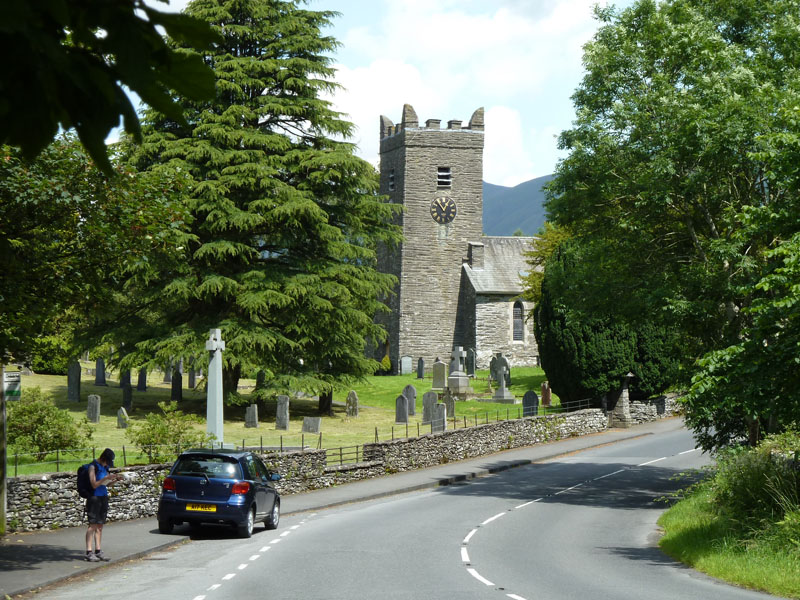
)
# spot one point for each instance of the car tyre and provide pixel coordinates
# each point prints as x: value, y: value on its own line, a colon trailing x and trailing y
x: 164, y: 526
x: 274, y: 517
x: 246, y: 529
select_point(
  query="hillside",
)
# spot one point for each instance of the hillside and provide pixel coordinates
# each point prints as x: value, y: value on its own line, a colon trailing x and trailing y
x: 506, y: 209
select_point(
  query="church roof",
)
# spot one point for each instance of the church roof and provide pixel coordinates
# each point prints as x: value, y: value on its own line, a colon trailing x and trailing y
x: 503, y: 265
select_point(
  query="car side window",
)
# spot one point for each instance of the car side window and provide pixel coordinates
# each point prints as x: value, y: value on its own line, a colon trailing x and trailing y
x: 252, y: 470
x: 262, y: 470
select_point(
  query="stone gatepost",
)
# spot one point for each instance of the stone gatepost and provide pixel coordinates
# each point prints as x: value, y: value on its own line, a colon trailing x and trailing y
x: 620, y: 415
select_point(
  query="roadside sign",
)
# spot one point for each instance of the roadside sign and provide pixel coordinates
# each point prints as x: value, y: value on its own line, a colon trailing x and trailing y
x: 12, y: 385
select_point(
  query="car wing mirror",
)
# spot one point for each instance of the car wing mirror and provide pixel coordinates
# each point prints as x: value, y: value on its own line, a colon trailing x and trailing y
x: 274, y: 477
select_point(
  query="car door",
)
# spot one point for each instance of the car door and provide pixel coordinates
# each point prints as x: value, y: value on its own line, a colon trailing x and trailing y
x: 270, y: 487
x: 262, y: 497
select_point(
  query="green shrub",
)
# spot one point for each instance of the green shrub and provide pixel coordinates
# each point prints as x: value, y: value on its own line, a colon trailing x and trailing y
x: 161, y: 437
x: 38, y: 426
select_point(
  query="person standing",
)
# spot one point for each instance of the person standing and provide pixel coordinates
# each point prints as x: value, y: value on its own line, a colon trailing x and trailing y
x: 97, y: 504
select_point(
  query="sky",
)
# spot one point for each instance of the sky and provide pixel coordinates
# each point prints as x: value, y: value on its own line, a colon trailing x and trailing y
x: 518, y: 59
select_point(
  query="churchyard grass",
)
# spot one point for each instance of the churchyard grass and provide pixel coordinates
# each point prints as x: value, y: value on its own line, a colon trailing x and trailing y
x: 376, y: 395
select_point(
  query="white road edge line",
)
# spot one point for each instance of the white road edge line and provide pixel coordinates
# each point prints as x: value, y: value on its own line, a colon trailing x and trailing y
x: 229, y: 576
x: 475, y: 574
x: 688, y: 451
x: 490, y: 519
x: 568, y: 489
x: 526, y: 504
x: 469, y: 536
x: 650, y: 462
x: 464, y: 555
x: 515, y: 597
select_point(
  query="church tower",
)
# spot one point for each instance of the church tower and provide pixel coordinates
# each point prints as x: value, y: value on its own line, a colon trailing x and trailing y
x: 436, y: 174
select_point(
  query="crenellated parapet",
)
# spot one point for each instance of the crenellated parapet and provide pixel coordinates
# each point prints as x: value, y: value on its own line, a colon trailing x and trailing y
x: 409, y: 121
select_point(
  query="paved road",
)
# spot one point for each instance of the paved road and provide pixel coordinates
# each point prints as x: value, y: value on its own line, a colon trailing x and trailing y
x: 582, y: 525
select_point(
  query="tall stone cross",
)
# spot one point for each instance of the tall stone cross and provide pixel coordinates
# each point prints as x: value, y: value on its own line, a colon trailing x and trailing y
x: 458, y: 356
x: 215, y: 346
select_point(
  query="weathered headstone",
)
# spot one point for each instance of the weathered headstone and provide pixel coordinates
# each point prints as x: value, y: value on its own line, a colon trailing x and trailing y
x: 405, y: 365
x: 530, y: 404
x: 74, y: 382
x: 439, y: 420
x: 192, y: 379
x: 410, y: 392
x: 457, y: 360
x: 351, y: 405
x: 93, y: 408
x: 503, y: 394
x: 457, y: 381
x: 546, y: 394
x: 122, y: 418
x: 251, y: 416
x: 439, y: 375
x: 469, y: 363
x: 100, y: 372
x: 401, y: 409
x: 124, y: 378
x: 429, y: 401
x: 176, y: 394
x: 141, y: 383
x: 449, y: 400
x: 312, y: 424
x: 420, y: 368
x: 282, y: 414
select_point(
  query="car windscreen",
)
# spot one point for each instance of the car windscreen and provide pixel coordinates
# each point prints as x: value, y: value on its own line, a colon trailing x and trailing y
x: 219, y: 467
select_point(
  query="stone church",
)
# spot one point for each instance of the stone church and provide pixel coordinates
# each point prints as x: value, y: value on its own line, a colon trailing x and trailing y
x: 456, y: 287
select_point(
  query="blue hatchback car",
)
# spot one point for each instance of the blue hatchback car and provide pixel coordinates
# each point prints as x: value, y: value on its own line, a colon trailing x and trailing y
x: 219, y: 486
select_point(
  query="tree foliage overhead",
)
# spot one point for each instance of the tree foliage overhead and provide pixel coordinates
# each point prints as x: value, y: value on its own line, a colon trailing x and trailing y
x: 681, y: 196
x: 285, y: 215
x: 72, y: 59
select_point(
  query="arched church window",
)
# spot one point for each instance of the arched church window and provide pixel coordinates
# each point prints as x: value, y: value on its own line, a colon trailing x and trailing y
x: 519, y: 322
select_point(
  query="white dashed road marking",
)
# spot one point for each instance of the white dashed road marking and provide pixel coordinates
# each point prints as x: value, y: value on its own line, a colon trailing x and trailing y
x: 477, y: 576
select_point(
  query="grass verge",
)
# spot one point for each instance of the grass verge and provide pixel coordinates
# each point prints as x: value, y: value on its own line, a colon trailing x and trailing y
x: 697, y: 536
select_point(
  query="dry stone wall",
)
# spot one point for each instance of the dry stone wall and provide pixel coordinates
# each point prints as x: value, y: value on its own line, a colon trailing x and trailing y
x: 50, y: 501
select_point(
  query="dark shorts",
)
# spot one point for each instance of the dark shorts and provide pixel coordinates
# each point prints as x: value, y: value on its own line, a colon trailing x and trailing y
x: 97, y: 509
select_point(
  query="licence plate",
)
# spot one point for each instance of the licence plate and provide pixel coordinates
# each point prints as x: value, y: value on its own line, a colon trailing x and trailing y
x: 202, y: 507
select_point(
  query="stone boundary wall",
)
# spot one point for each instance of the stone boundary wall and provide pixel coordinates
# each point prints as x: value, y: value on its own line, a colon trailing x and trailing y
x: 50, y: 501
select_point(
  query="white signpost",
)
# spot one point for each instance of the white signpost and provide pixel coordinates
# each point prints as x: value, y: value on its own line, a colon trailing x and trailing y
x: 215, y: 346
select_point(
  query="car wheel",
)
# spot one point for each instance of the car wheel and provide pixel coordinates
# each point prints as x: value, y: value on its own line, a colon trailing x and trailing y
x: 246, y: 528
x: 274, y: 516
x: 164, y: 526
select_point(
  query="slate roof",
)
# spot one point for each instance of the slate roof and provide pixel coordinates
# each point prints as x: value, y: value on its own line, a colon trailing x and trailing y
x: 503, y: 264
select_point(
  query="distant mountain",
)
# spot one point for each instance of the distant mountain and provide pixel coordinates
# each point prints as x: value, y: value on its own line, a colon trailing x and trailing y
x: 506, y: 209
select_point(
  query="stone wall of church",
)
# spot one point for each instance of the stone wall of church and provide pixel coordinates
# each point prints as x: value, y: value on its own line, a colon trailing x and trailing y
x: 494, y: 332
x: 425, y: 321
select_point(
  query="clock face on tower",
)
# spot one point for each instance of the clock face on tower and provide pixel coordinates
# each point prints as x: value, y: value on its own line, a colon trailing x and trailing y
x: 443, y: 209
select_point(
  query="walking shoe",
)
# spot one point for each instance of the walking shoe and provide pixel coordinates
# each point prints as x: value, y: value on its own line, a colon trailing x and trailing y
x: 101, y: 556
x: 91, y: 557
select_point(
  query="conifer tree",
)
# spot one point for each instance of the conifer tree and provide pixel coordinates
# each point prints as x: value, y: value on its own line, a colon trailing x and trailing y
x: 285, y: 216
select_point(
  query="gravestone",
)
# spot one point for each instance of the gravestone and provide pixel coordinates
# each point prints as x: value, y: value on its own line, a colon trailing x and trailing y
x: 176, y: 394
x: 141, y: 383
x: 495, y: 364
x: 469, y: 362
x: 251, y: 416
x: 457, y: 382
x: 546, y: 394
x: 351, y: 405
x: 125, y: 379
x: 410, y: 392
x: 312, y: 424
x: 100, y: 372
x: 192, y: 379
x: 439, y: 375
x: 401, y: 409
x: 420, y: 368
x: 530, y: 404
x: 282, y: 414
x: 74, y: 382
x: 449, y: 400
x: 93, y: 408
x: 122, y: 418
x: 429, y: 401
x: 439, y: 421
x: 405, y: 365
x: 503, y: 394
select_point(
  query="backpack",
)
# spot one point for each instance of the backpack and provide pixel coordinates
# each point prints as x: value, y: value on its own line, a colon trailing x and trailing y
x: 85, y: 488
